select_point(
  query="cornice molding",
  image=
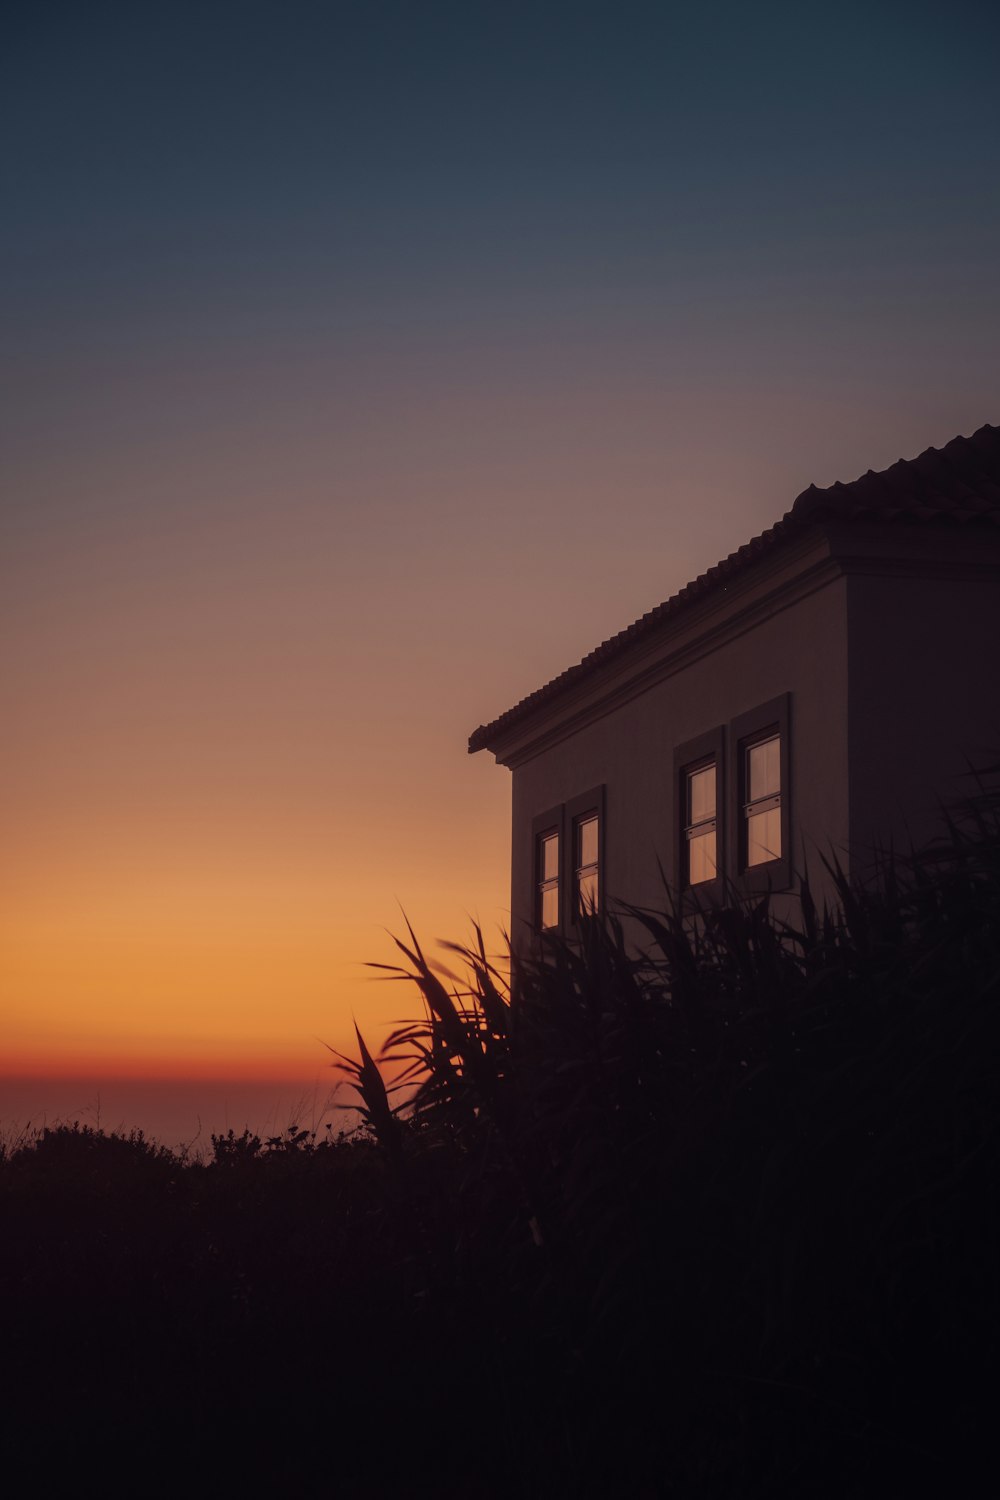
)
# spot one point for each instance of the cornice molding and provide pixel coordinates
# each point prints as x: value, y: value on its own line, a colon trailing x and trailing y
x: 797, y: 569
x: 618, y: 683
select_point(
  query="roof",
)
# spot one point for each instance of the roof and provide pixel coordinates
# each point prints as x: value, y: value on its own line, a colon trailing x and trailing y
x: 958, y: 484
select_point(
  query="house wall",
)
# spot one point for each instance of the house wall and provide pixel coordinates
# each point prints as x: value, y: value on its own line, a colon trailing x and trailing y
x: 924, y: 699
x: 799, y: 648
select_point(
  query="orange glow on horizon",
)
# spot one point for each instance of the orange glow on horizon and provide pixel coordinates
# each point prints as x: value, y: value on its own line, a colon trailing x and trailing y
x: 176, y: 967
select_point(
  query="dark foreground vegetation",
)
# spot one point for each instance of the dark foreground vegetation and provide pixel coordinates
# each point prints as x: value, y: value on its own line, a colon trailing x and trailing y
x: 722, y: 1222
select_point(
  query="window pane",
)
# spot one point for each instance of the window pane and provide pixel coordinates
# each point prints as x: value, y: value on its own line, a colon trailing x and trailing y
x: 550, y: 856
x: 587, y: 892
x: 764, y: 769
x: 586, y: 842
x: 764, y: 836
x: 701, y: 794
x: 701, y: 858
x: 550, y: 906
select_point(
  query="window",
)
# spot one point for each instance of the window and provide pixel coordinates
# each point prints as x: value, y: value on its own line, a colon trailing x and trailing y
x: 731, y: 808
x: 700, y: 827
x: 586, y: 868
x: 759, y: 786
x: 568, y: 872
x: 547, y: 867
x: 762, y: 809
x: 699, y: 845
x: 585, y: 821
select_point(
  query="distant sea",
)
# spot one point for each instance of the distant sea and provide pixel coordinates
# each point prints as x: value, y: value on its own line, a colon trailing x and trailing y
x: 176, y: 1112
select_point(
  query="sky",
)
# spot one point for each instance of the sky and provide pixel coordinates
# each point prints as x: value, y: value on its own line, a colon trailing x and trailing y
x: 363, y: 366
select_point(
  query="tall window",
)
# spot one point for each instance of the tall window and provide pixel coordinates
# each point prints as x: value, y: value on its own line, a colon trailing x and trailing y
x: 586, y: 875
x: 698, y: 858
x: 760, y: 788
x: 700, y: 824
x: 547, y: 858
x: 762, y: 805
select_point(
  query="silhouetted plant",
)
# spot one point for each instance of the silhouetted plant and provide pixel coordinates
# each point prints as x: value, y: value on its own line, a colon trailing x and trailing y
x: 231, y: 1150
x: 376, y: 1112
x: 709, y: 1209
x: 755, y: 1136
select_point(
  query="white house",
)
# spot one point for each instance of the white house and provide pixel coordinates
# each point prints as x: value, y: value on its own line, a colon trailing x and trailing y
x: 823, y: 687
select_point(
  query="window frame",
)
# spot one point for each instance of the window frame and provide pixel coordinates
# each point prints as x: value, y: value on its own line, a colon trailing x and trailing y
x: 576, y: 811
x: 694, y: 755
x: 773, y: 717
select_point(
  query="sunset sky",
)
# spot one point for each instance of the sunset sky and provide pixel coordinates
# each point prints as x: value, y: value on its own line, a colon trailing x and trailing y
x: 364, y: 365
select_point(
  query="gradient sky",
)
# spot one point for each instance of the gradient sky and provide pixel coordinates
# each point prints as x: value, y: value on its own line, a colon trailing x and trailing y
x: 363, y: 366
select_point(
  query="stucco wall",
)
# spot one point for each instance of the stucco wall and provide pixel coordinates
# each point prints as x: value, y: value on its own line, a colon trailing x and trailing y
x: 924, y: 701
x: 801, y: 650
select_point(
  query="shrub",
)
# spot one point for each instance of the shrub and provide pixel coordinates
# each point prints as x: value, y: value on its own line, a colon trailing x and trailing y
x: 761, y: 1156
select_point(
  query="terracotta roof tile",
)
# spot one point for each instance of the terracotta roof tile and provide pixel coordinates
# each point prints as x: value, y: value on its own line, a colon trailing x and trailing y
x: 958, y: 484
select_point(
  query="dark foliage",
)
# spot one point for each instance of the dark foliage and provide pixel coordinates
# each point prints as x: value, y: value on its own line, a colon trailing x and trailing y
x: 711, y: 1210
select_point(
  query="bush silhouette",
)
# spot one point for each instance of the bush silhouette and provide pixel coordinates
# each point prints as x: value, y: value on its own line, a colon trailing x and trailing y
x: 712, y: 1215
